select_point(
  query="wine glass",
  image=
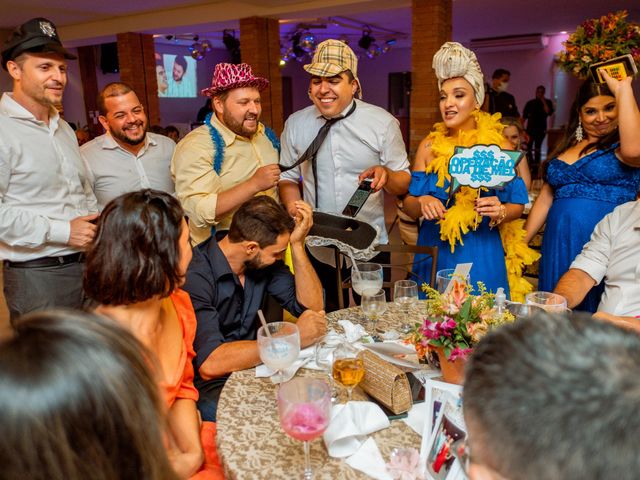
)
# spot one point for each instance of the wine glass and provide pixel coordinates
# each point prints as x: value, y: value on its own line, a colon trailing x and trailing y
x: 366, y: 276
x: 373, y: 304
x: 405, y: 294
x: 279, y: 349
x: 444, y: 277
x: 348, y: 368
x: 551, y: 302
x: 304, y: 407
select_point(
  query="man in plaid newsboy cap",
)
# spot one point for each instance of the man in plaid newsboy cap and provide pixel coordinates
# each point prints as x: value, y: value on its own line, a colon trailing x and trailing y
x: 337, y: 143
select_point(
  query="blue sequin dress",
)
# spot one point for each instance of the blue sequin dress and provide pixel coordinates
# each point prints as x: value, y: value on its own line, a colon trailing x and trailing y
x: 482, y: 247
x: 583, y: 194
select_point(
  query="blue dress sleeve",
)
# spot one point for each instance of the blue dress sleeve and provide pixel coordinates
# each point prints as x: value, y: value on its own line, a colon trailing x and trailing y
x: 425, y: 184
x: 514, y: 192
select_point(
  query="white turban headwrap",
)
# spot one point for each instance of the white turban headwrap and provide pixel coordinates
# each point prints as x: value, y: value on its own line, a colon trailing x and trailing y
x: 453, y: 60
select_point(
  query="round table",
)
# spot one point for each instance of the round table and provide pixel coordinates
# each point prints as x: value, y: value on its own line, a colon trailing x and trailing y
x: 251, y: 444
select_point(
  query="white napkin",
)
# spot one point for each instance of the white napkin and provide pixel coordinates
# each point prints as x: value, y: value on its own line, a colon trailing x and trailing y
x: 368, y: 459
x: 352, y: 332
x: 416, y: 417
x: 303, y: 357
x: 350, y: 424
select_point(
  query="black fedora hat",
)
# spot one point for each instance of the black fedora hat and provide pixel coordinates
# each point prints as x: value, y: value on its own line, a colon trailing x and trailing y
x: 37, y: 35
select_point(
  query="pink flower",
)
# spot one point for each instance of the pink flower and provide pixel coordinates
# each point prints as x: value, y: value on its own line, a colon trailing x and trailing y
x: 447, y: 326
x: 458, y: 352
x: 429, y: 329
x: 450, y: 308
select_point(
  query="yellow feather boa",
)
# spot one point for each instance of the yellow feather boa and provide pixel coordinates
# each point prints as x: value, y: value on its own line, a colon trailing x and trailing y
x: 461, y: 217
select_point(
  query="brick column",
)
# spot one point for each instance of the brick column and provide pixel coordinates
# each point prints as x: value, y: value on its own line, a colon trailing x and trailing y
x: 260, y: 48
x: 138, y: 68
x: 430, y: 28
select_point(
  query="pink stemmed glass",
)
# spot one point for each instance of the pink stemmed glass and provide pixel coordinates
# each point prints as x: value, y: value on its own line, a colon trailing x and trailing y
x: 304, y: 406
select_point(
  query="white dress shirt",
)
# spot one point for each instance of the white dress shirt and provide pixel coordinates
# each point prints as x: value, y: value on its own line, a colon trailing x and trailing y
x: 613, y: 254
x: 370, y: 136
x: 43, y: 184
x: 112, y: 170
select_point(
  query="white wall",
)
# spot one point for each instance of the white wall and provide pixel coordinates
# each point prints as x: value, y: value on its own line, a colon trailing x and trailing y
x: 530, y: 68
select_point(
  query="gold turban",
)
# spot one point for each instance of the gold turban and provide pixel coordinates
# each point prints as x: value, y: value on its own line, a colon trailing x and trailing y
x: 453, y: 60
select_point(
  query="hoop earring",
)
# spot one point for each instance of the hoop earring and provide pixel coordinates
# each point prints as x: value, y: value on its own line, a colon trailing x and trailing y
x: 579, y: 131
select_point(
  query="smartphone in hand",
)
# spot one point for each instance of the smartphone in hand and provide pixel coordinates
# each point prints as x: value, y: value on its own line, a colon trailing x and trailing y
x: 358, y: 198
x: 618, y: 68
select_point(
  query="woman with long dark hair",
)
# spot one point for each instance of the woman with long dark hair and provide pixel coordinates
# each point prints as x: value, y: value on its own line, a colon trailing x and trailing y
x: 593, y: 170
x: 134, y: 270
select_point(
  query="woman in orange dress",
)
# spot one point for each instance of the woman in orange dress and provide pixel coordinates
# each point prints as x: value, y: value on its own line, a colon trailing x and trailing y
x: 134, y: 270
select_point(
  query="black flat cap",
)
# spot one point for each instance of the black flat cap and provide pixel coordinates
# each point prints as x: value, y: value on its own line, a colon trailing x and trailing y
x: 37, y: 35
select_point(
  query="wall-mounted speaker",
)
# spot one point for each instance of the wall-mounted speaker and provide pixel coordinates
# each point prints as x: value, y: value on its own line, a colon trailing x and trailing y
x: 109, y: 58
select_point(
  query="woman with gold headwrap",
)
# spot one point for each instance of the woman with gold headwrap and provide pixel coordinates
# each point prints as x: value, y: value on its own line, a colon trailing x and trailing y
x: 463, y: 228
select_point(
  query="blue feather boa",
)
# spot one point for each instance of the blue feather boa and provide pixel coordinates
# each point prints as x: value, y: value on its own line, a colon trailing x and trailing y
x: 218, y: 143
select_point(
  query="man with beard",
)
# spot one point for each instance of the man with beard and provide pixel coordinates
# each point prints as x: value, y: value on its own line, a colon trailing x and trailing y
x: 229, y: 278
x: 46, y: 203
x: 230, y: 158
x: 180, y: 86
x: 127, y: 157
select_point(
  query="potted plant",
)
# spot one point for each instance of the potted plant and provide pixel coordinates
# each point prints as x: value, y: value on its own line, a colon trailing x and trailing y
x: 454, y: 322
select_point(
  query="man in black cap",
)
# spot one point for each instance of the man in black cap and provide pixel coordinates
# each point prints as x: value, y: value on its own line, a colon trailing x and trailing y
x: 46, y: 203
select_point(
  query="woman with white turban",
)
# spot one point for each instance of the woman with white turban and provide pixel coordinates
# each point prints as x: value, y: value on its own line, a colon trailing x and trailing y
x: 462, y: 228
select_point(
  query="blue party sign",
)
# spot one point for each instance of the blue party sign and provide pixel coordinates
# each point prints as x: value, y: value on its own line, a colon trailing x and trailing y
x: 482, y: 166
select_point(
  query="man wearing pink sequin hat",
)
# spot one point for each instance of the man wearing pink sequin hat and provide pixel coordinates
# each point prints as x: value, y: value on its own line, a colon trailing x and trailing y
x: 229, y: 159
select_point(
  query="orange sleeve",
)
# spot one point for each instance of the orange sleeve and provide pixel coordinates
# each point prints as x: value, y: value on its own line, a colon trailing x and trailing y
x: 187, y: 316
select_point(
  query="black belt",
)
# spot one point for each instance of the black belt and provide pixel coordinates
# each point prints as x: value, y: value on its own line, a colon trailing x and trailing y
x: 47, y: 261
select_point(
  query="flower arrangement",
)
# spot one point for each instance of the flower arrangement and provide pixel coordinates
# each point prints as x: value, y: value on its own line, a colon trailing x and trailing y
x: 598, y: 40
x: 456, y: 320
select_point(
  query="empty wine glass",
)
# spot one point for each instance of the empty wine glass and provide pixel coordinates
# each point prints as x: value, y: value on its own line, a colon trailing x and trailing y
x: 551, y: 302
x: 373, y: 304
x: 366, y: 276
x: 348, y: 368
x: 405, y: 294
x: 279, y: 350
x: 444, y: 277
x: 304, y: 407
x: 324, y: 357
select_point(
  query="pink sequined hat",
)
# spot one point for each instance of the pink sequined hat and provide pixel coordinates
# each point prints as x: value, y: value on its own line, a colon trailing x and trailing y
x: 228, y: 75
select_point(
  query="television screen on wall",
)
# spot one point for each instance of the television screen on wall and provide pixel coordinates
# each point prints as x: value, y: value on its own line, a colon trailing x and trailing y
x: 176, y: 76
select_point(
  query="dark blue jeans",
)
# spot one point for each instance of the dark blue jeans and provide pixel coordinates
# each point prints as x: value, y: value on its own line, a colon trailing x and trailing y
x: 209, y: 396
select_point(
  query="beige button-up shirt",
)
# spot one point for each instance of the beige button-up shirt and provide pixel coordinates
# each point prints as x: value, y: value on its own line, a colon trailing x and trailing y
x: 198, y: 185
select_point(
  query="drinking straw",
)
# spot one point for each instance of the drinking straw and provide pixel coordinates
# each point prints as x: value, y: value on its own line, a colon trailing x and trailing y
x: 264, y: 323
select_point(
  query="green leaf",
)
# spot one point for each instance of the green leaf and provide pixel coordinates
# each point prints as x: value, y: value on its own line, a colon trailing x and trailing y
x: 466, y: 308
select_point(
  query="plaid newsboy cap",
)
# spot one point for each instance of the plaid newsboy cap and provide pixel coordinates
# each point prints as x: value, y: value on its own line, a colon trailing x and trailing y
x: 332, y: 57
